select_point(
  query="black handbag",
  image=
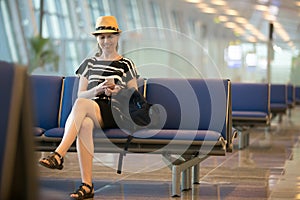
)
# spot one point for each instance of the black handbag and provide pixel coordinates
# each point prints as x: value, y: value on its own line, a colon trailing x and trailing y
x: 132, y: 112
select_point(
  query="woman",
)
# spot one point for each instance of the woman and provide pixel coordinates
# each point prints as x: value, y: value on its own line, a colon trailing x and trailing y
x: 100, y: 77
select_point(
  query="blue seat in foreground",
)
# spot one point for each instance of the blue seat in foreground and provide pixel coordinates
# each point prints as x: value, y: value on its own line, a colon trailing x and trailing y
x: 6, y: 122
x: 17, y: 170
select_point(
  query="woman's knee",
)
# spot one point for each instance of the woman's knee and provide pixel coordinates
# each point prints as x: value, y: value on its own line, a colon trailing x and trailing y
x: 87, y: 124
x: 89, y: 108
x: 80, y: 102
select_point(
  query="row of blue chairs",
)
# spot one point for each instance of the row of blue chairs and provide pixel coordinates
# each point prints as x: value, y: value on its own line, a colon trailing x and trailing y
x: 257, y: 104
x: 197, y: 123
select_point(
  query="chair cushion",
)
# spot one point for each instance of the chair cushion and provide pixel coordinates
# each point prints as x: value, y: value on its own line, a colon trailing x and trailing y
x: 55, y: 132
x: 113, y: 133
x: 37, y: 131
x: 190, y: 135
x: 249, y: 114
x: 278, y: 107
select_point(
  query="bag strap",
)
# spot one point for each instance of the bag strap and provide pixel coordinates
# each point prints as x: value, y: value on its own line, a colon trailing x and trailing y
x: 123, y: 153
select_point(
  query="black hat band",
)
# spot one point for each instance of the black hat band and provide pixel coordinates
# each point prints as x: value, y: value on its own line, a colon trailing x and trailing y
x: 107, y: 28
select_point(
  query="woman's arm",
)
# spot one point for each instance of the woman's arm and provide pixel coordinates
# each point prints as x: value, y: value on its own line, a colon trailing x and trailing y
x: 132, y: 83
x: 91, y: 93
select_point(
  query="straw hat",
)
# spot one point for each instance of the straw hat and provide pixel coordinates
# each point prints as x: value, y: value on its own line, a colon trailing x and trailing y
x: 106, y: 24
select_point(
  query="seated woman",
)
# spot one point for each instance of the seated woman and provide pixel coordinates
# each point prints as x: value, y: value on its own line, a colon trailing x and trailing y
x: 100, y: 76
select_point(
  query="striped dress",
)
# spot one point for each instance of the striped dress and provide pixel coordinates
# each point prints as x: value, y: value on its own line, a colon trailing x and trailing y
x: 96, y: 71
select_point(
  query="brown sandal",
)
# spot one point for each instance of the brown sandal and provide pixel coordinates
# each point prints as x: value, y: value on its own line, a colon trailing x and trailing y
x: 82, y: 193
x: 52, y: 163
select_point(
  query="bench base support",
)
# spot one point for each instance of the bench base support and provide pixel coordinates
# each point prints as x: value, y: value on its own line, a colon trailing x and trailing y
x: 244, y: 138
x: 184, y: 168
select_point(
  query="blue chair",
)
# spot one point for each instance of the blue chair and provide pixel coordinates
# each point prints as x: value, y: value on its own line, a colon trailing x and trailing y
x: 200, y: 107
x: 297, y: 95
x: 197, y: 110
x: 250, y: 108
x: 278, y: 104
x: 291, y: 102
x: 69, y: 95
x: 45, y: 103
x: 250, y: 104
x: 290, y: 95
x: 50, y: 121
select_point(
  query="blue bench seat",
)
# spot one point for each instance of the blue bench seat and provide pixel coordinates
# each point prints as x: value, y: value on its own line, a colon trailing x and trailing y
x: 197, y: 120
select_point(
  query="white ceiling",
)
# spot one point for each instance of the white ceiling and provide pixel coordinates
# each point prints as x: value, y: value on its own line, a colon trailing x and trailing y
x: 283, y: 14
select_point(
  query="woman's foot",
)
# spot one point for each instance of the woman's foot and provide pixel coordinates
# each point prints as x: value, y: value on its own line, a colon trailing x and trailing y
x: 85, y: 191
x: 53, y: 161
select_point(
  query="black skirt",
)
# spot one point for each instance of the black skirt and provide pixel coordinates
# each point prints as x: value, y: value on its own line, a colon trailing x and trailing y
x: 106, y: 112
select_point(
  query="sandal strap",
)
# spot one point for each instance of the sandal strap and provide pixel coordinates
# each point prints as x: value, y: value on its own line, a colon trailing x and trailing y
x: 91, y: 187
x: 52, y: 160
x: 81, y: 192
x: 60, y: 157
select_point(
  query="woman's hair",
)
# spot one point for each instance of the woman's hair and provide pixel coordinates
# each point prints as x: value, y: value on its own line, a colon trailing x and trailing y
x: 99, y: 52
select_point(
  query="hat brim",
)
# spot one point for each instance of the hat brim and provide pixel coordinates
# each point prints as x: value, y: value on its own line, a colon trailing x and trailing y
x: 105, y: 31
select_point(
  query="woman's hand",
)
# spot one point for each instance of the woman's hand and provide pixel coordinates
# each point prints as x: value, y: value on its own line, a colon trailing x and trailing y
x: 110, y: 91
x: 100, y: 89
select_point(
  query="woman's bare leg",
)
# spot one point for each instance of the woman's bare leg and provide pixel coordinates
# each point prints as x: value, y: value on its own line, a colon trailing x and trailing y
x: 86, y: 154
x: 84, y: 116
x: 85, y: 149
x: 82, y: 108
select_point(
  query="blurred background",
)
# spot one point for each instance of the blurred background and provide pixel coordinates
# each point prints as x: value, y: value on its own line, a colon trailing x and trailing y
x: 243, y: 40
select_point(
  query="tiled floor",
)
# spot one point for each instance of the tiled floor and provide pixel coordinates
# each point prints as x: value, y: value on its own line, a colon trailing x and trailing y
x: 268, y: 169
